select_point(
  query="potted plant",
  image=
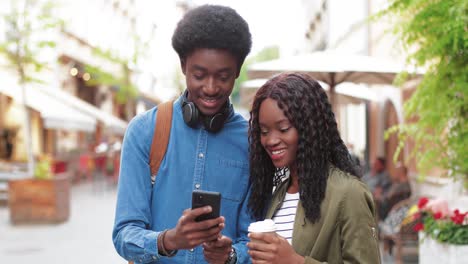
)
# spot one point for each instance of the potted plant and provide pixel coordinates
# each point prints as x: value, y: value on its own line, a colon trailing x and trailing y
x: 45, y: 198
x: 443, y: 232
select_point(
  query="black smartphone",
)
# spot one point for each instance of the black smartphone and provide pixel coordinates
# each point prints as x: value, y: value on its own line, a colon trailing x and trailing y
x: 202, y: 198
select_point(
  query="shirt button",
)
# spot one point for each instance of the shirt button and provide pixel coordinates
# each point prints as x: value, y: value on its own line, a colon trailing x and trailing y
x: 154, y: 257
x: 201, y: 155
x: 191, y: 250
x: 197, y: 186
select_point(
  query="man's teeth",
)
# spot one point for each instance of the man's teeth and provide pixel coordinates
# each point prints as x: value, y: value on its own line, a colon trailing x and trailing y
x: 276, y: 152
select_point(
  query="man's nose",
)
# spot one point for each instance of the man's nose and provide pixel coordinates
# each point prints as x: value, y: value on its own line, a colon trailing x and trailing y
x: 210, y: 88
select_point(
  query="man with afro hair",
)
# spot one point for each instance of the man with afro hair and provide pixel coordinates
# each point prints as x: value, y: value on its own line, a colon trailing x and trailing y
x: 207, y: 150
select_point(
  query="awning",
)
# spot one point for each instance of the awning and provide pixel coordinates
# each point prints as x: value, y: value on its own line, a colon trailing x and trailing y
x: 347, y: 89
x: 112, y: 123
x: 54, y: 113
x: 334, y: 67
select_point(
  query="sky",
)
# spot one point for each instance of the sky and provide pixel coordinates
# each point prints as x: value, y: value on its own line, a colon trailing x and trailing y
x: 270, y: 23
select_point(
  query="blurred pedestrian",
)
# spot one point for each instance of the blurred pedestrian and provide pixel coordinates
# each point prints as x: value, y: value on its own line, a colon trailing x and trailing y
x: 377, y: 179
x: 399, y: 190
x: 208, y: 150
x: 323, y: 212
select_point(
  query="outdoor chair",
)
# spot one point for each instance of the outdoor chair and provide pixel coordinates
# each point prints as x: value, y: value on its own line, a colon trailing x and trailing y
x: 405, y: 240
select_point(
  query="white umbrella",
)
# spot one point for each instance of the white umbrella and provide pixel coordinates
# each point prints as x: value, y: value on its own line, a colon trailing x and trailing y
x: 333, y: 68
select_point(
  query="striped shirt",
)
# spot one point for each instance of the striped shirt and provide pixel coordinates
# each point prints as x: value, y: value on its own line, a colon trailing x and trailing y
x: 284, y: 217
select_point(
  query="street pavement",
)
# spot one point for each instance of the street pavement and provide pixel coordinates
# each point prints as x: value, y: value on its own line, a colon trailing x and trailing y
x: 85, y: 238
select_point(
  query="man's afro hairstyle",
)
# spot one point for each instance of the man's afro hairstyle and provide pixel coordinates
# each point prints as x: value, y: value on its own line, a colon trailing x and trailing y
x: 212, y: 27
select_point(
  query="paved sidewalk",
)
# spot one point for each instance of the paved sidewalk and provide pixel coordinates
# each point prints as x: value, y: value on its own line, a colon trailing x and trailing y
x: 85, y: 238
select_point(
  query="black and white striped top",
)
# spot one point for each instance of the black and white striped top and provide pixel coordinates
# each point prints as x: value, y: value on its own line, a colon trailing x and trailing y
x: 284, y: 217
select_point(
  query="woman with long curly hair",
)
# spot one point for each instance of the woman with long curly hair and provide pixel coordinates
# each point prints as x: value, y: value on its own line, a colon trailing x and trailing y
x: 322, y: 211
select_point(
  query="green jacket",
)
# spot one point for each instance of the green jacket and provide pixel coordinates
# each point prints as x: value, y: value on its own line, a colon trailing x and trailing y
x: 346, y: 231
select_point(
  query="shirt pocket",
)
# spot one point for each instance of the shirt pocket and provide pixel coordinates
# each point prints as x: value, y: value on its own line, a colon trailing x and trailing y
x: 229, y: 177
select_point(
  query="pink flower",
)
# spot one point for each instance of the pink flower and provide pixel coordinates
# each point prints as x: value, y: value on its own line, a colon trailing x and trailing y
x: 439, y: 206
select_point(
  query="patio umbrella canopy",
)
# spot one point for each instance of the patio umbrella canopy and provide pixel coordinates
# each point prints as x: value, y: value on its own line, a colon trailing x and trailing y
x: 333, y: 68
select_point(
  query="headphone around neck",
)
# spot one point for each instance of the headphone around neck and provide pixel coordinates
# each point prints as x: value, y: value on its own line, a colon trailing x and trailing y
x: 193, y: 116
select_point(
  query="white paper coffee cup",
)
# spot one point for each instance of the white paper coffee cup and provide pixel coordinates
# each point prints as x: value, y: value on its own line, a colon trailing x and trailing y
x: 265, y: 226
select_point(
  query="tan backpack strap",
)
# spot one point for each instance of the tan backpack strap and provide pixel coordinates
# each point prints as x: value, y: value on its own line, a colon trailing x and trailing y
x: 161, y: 134
x: 162, y: 130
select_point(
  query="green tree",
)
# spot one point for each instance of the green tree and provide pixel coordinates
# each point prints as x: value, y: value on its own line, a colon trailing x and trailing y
x: 435, y: 35
x: 27, y: 24
x: 266, y: 54
x: 127, y: 91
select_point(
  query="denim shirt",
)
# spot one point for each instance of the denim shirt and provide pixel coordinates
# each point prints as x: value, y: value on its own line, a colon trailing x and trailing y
x: 195, y: 159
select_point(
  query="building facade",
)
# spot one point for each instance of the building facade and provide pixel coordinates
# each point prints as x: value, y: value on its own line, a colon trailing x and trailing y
x: 89, y: 88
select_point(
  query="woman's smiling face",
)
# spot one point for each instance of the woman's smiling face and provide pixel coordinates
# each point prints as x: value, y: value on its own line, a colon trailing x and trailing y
x: 277, y: 134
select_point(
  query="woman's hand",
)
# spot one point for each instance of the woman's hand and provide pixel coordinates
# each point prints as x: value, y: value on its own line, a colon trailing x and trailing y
x: 189, y: 234
x: 271, y: 248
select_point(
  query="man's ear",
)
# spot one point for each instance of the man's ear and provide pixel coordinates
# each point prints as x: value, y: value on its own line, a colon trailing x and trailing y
x: 182, y: 65
x: 238, y: 73
x: 239, y: 68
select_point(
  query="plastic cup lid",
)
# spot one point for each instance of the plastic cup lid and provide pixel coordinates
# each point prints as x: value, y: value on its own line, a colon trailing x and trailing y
x: 266, y: 225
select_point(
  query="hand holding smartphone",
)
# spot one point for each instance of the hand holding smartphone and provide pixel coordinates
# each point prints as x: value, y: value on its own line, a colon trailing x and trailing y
x: 203, y: 198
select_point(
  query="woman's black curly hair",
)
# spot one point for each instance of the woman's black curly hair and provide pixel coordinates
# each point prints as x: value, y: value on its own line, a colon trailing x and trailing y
x: 212, y: 27
x: 305, y: 104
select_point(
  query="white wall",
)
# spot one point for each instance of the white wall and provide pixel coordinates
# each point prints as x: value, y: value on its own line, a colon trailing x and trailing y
x: 344, y: 32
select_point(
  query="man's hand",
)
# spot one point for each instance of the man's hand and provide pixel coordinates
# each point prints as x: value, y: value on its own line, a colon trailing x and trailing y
x: 272, y: 249
x: 217, y: 251
x: 189, y: 234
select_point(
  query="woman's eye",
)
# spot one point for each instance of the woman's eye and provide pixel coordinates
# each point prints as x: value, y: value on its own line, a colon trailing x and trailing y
x: 263, y: 132
x: 286, y: 129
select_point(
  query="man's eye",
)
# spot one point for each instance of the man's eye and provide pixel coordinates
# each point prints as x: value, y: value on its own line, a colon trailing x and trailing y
x: 224, y: 78
x: 198, y: 76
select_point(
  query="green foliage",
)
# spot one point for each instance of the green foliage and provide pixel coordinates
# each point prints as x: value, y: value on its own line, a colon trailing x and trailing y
x: 126, y: 89
x: 266, y: 54
x: 445, y: 230
x: 100, y: 76
x: 43, y: 168
x: 435, y: 34
x: 25, y: 23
